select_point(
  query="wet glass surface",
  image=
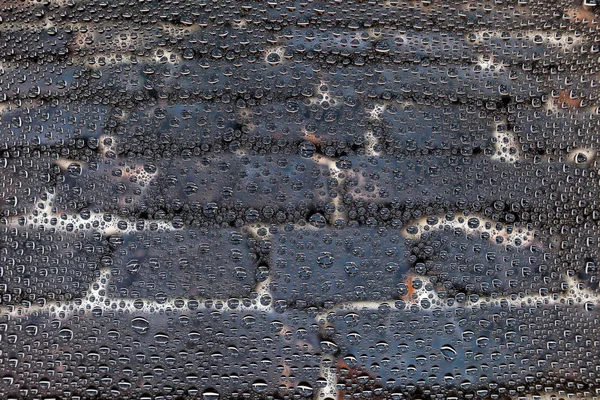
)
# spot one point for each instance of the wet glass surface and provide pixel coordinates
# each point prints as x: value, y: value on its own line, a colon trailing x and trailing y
x: 299, y: 200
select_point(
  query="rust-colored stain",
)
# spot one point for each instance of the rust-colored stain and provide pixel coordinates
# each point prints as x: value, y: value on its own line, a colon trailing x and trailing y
x: 351, y: 376
x: 564, y: 100
x: 408, y: 297
x: 314, y: 139
x: 581, y: 15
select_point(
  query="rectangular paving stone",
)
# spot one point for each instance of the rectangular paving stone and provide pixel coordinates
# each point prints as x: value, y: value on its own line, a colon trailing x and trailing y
x: 150, y: 78
x: 196, y: 124
x: 317, y: 267
x: 318, y: 119
x: 575, y: 125
x: 58, y: 80
x: 190, y: 263
x: 51, y: 125
x: 385, y: 179
x: 440, y: 179
x: 321, y: 267
x: 37, y: 41
x: 187, y: 353
x: 248, y: 180
x: 450, y: 81
x: 470, y: 352
x: 407, y: 44
x: 412, y: 126
x: 45, y: 265
x: 475, y: 265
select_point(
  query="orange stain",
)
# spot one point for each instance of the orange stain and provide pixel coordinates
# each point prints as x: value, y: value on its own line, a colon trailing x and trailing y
x: 564, y: 100
x: 351, y: 374
x: 311, y: 137
x: 285, y: 380
x: 581, y: 15
x: 408, y: 281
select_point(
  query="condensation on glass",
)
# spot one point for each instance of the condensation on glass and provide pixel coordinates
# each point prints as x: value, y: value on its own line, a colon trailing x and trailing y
x: 304, y: 199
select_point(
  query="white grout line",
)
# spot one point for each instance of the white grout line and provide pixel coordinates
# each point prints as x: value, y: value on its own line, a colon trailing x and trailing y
x: 576, y: 294
x: 96, y: 299
x: 340, y: 211
x: 473, y: 225
x: 107, y: 144
x: 178, y: 30
x: 581, y: 157
x: 254, y: 229
x: 564, y: 42
x: 274, y: 55
x: 488, y: 62
x: 423, y: 293
x: 372, y: 142
x: 323, y: 96
x: 505, y: 144
x: 47, y: 217
x: 5, y: 107
x: 377, y: 111
x: 123, y: 58
x: 328, y: 370
x: 239, y: 23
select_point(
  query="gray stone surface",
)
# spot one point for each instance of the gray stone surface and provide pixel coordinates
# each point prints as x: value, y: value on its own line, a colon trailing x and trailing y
x: 306, y: 199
